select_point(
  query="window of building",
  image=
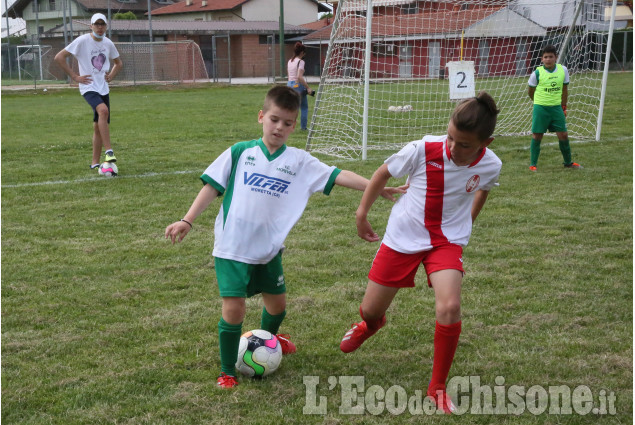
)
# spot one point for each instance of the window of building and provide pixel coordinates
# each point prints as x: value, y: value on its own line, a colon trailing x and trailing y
x: 594, y: 12
x: 264, y: 39
x: 384, y: 50
x: 409, y: 9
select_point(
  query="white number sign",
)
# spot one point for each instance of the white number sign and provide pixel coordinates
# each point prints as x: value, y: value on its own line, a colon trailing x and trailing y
x: 461, y: 79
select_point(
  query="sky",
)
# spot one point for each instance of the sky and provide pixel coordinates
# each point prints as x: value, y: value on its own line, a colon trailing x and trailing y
x: 15, y: 25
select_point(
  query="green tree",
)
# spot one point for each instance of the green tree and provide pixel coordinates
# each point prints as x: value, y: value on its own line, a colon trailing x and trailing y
x: 128, y: 15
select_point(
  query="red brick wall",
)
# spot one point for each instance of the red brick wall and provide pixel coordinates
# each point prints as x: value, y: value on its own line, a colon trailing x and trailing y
x: 251, y: 59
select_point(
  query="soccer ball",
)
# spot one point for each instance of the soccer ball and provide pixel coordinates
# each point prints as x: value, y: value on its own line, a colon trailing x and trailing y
x: 259, y: 353
x: 108, y: 169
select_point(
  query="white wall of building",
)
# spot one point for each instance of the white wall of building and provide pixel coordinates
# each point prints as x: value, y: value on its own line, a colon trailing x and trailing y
x: 296, y: 12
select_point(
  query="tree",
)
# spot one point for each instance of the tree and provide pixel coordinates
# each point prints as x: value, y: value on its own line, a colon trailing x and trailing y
x: 128, y: 15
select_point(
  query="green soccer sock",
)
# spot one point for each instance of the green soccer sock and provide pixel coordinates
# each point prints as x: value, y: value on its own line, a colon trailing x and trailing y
x: 565, y: 148
x: 271, y: 323
x: 228, y: 341
x: 534, y: 152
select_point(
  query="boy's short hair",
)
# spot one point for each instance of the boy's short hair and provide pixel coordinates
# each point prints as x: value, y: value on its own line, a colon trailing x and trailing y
x: 549, y: 49
x: 476, y: 115
x: 283, y: 97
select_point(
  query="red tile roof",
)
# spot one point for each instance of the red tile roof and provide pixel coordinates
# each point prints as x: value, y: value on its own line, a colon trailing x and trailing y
x: 318, y: 24
x: 197, y: 6
x: 404, y: 25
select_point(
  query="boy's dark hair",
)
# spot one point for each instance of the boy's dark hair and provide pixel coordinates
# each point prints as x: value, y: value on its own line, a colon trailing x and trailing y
x: 477, y: 115
x: 549, y: 49
x: 283, y: 97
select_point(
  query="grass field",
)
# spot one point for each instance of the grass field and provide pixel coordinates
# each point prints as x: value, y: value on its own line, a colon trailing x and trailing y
x: 105, y: 322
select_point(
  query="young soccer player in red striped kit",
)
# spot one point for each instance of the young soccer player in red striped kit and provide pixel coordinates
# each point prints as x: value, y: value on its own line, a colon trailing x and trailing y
x: 450, y: 177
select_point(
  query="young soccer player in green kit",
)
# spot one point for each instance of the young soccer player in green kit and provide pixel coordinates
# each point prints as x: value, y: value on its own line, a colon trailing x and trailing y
x: 548, y: 88
x: 265, y: 186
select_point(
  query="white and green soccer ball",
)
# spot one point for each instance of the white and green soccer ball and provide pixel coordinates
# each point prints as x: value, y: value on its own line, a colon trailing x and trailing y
x: 259, y: 353
x: 108, y: 169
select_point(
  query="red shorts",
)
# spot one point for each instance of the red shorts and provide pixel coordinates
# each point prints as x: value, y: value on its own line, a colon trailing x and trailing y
x: 392, y: 268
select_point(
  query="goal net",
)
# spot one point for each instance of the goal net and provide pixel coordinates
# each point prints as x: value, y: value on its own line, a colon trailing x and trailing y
x: 395, y: 71
x: 160, y: 61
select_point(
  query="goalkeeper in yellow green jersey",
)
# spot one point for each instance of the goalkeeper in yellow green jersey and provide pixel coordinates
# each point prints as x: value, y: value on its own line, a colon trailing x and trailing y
x: 548, y: 88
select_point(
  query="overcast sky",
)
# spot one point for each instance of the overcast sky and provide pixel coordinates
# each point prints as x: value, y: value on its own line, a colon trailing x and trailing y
x: 15, y: 25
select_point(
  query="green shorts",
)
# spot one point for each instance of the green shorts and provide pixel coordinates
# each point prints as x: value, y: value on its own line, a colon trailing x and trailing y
x: 236, y: 279
x: 549, y: 118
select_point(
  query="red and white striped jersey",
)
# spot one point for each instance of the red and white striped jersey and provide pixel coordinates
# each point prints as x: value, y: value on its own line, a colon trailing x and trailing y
x: 437, y: 208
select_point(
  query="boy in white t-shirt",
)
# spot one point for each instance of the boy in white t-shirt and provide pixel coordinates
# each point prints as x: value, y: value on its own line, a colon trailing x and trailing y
x: 449, y: 179
x: 94, y: 52
x: 266, y: 186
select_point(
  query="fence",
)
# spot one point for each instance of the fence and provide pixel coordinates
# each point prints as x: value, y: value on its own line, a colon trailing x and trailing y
x: 144, y: 62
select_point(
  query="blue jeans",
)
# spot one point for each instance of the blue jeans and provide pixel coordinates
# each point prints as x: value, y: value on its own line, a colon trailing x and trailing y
x: 304, y: 103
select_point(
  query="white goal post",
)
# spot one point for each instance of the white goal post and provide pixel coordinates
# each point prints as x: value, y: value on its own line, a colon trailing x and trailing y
x: 30, y: 58
x: 395, y: 69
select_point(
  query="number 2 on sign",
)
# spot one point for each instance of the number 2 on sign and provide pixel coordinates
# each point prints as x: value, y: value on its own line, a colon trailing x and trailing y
x: 461, y: 85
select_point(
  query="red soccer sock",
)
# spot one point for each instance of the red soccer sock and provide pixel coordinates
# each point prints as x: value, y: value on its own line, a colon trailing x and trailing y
x: 446, y: 338
x: 375, y: 324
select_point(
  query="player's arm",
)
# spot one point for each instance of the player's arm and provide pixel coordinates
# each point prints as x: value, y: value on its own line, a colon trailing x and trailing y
x: 531, y: 92
x: 303, y: 80
x: 354, y: 181
x: 181, y: 228
x: 477, y: 204
x: 117, y: 67
x: 565, y: 96
x: 372, y: 192
x: 60, y: 59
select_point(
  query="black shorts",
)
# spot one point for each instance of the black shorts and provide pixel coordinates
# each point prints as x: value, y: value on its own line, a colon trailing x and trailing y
x: 95, y: 99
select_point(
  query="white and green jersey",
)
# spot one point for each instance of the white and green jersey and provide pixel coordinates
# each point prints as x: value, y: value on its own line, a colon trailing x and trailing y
x: 264, y: 196
x: 549, y: 85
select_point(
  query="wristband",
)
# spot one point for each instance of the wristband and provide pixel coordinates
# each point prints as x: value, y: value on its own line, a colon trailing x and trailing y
x: 185, y: 221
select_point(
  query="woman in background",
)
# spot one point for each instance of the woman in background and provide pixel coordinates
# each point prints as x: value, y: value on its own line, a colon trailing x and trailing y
x: 295, y: 71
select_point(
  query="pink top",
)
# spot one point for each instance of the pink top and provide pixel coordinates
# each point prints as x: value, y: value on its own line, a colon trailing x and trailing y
x: 292, y: 68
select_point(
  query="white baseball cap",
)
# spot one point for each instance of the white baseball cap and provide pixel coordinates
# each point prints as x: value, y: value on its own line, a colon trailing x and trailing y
x: 98, y: 16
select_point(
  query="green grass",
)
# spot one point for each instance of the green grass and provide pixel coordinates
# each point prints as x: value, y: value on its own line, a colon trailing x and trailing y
x: 105, y: 322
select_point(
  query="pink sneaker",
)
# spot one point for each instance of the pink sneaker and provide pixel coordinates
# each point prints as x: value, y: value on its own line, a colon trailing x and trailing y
x: 443, y: 401
x: 226, y: 381
x: 287, y: 346
x: 357, y: 334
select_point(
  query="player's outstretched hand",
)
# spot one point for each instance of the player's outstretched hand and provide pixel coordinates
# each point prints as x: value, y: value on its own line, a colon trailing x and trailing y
x: 365, y: 230
x: 178, y: 229
x: 389, y: 192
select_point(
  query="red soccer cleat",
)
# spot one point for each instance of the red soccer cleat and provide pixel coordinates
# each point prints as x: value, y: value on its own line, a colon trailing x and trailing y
x: 226, y: 381
x: 533, y: 168
x: 287, y: 346
x: 573, y: 165
x: 357, y: 334
x: 443, y: 401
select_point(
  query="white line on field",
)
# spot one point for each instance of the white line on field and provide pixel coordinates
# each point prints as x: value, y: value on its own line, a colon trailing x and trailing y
x: 90, y: 179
